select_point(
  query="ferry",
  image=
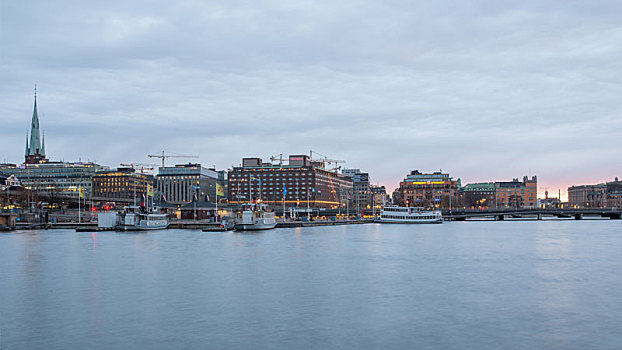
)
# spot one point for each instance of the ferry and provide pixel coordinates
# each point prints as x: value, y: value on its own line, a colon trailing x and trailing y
x: 133, y: 219
x: 254, y: 217
x: 409, y: 215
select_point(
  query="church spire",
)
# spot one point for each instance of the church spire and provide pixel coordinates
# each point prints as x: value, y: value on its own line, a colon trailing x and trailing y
x: 35, y: 152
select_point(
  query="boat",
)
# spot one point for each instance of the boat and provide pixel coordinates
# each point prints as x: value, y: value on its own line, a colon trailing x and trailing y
x: 409, y: 215
x: 132, y: 218
x: 226, y: 224
x: 252, y: 217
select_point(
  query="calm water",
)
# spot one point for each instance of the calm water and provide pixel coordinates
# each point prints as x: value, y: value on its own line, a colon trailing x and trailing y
x: 492, y: 285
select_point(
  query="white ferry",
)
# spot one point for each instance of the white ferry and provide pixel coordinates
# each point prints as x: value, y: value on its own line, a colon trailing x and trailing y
x: 409, y: 215
x: 254, y: 217
x: 132, y: 219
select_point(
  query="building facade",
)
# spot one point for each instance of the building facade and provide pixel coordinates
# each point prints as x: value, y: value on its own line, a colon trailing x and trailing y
x: 516, y: 194
x: 121, y: 186
x: 55, y: 180
x: 295, y: 184
x: 596, y: 196
x: 362, y: 197
x: 8, y: 181
x: 424, y: 190
x: 614, y: 193
x: 184, y: 183
x: 479, y: 195
x: 379, y: 196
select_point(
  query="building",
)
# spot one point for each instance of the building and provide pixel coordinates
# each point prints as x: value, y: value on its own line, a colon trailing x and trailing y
x: 7, y: 181
x: 396, y: 197
x: 587, y: 196
x: 298, y: 183
x: 362, y: 194
x: 596, y: 196
x: 433, y: 189
x: 198, y: 210
x: 379, y: 196
x: 614, y: 193
x: 478, y: 195
x: 53, y: 181
x: 549, y: 202
x: 516, y: 194
x: 35, y: 147
x: 350, y: 172
x: 121, y: 186
x: 183, y: 182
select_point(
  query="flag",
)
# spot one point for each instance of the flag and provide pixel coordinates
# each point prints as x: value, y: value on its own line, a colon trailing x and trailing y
x: 150, y: 190
x: 81, y: 190
x: 164, y: 198
x: 207, y: 197
x: 284, y: 191
x: 220, y: 191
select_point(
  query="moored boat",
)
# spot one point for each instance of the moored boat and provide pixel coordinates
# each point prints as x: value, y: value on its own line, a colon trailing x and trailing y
x: 409, y: 215
x: 132, y: 218
x: 252, y: 217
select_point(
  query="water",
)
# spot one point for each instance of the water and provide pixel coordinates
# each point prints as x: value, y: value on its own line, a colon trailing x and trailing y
x: 491, y: 285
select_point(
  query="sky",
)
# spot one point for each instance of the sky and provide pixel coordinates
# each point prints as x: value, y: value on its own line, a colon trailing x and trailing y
x: 485, y: 90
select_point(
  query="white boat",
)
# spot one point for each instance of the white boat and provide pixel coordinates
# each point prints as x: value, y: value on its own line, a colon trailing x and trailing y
x: 132, y: 219
x: 409, y: 215
x: 254, y: 217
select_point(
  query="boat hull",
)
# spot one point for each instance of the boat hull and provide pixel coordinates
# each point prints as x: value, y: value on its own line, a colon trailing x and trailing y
x: 254, y: 227
x: 141, y: 227
x: 414, y: 222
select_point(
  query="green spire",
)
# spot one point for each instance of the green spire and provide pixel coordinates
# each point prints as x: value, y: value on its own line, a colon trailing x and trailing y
x: 35, y: 136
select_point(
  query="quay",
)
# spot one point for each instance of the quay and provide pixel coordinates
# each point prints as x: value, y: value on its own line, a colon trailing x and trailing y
x: 8, y: 221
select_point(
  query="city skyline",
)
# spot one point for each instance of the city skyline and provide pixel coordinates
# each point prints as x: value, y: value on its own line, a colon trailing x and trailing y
x: 486, y: 92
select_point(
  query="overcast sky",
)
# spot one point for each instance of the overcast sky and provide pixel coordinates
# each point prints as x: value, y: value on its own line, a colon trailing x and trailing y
x: 484, y: 90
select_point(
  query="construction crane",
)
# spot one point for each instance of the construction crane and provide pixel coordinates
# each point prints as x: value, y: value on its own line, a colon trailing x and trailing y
x: 169, y: 155
x: 140, y: 166
x: 280, y: 159
x: 325, y: 160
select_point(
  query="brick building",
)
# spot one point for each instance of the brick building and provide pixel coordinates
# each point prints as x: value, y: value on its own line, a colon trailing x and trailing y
x: 298, y: 181
x: 517, y: 194
x: 433, y: 189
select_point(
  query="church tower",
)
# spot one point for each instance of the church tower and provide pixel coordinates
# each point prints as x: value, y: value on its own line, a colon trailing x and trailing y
x: 35, y: 149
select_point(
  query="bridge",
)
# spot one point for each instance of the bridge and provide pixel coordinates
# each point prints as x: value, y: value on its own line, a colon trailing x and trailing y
x: 539, y: 214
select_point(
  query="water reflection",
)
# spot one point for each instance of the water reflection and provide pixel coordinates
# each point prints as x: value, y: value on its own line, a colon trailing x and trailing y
x: 532, y: 285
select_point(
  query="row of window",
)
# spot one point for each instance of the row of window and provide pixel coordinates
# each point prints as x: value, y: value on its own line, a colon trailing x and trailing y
x: 403, y: 217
